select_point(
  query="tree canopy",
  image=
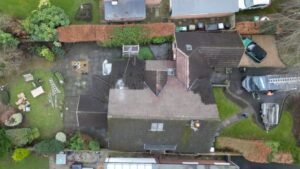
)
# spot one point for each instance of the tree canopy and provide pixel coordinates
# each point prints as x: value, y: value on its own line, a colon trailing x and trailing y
x: 5, y: 144
x: 42, y: 23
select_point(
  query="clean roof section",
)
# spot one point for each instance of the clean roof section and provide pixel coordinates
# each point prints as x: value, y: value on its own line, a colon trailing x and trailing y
x: 202, y: 7
x: 125, y: 10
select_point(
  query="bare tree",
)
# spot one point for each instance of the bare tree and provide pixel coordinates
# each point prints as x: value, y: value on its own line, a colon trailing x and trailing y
x: 286, y: 26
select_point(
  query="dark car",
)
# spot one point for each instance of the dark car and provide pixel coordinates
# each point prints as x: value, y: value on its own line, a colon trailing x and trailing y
x: 253, y: 50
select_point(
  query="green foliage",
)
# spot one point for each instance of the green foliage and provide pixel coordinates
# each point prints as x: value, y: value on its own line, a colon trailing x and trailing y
x: 49, y: 146
x: 20, y: 154
x: 44, y: 3
x: 58, y: 51
x: 275, y: 147
x: 162, y: 39
x: 128, y: 36
x: 5, y: 143
x: 46, y: 53
x: 42, y: 23
x: 7, y: 40
x: 225, y: 106
x: 4, y: 96
x: 94, y: 145
x: 76, y: 142
x: 145, y: 54
x: 22, y: 136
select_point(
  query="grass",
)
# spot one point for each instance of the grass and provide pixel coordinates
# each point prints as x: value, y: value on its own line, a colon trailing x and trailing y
x: 247, y: 129
x: 31, y: 162
x: 226, y: 107
x: 42, y: 115
x: 21, y: 8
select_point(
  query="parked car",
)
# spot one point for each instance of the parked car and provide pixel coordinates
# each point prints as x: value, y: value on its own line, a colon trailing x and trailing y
x: 253, y: 4
x: 253, y: 50
x: 181, y: 29
x: 270, y: 114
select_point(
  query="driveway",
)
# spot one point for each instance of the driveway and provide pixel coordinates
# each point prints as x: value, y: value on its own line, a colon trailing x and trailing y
x: 268, y: 43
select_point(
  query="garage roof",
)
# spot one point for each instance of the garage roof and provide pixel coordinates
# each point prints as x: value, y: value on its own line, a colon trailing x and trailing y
x: 125, y: 10
x: 203, y: 7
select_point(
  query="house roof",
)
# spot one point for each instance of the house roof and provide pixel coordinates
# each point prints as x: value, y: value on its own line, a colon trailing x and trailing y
x: 125, y: 10
x: 156, y: 80
x: 174, y: 102
x: 202, y: 7
x: 176, y: 133
x: 219, y: 50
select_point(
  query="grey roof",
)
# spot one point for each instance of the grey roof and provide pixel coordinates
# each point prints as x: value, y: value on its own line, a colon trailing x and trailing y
x: 203, y: 7
x: 156, y: 80
x: 134, y: 134
x: 174, y: 102
x: 126, y: 10
x: 118, y: 165
x: 219, y: 50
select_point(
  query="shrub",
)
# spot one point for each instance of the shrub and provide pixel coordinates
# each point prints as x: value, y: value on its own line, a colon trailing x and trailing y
x: 22, y: 136
x: 58, y: 51
x: 42, y: 23
x: 49, y: 146
x: 94, y: 145
x: 60, y: 136
x: 128, y: 36
x: 5, y: 143
x: 162, y: 39
x: 76, y: 142
x: 145, y: 54
x: 7, y: 40
x: 20, y: 154
x: 4, y: 96
x: 46, y: 53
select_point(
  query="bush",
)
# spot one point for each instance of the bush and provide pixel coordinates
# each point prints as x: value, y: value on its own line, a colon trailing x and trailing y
x: 49, y: 146
x: 46, y: 53
x: 20, y: 154
x: 5, y: 143
x: 94, y: 145
x: 22, y: 136
x: 76, y: 142
x: 162, y: 39
x: 128, y: 36
x: 60, y: 136
x: 42, y: 23
x: 145, y: 54
x: 4, y: 96
x: 7, y: 40
x: 58, y: 51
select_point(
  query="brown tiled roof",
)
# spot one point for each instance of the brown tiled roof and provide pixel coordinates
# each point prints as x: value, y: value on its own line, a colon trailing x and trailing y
x: 87, y: 33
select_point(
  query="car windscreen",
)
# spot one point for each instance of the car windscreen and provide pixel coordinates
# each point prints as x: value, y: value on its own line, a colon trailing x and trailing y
x: 249, y: 3
x: 253, y: 85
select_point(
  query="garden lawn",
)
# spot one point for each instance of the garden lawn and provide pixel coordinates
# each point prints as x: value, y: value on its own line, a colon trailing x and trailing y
x: 31, y: 162
x: 226, y: 107
x: 22, y: 8
x: 247, y: 129
x: 42, y: 115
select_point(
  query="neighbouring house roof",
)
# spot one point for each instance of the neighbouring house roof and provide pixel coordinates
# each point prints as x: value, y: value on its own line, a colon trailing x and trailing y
x: 190, y: 8
x: 219, y: 50
x: 92, y: 33
x: 174, y: 102
x: 125, y: 10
